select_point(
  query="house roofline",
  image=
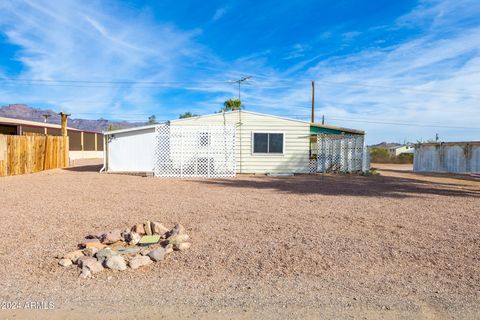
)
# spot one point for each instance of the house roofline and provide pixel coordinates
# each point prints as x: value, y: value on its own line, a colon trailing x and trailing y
x: 150, y: 126
x: 242, y: 111
x: 237, y: 111
x: 278, y: 117
x: 38, y: 124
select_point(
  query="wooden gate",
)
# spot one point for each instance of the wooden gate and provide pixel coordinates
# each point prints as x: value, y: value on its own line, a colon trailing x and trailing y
x: 29, y: 154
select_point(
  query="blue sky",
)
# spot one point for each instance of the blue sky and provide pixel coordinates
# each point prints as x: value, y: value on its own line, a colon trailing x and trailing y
x: 401, y: 70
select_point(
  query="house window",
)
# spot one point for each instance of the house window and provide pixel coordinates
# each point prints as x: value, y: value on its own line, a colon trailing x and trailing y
x: 268, y: 143
x: 204, y: 139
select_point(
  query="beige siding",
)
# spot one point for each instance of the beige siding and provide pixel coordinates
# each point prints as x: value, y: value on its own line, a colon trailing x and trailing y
x: 296, y: 136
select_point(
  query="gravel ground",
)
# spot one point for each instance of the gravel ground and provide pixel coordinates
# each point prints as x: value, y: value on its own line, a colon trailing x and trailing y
x: 395, y: 246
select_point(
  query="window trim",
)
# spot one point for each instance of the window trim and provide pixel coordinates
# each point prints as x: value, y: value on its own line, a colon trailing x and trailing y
x: 272, y: 154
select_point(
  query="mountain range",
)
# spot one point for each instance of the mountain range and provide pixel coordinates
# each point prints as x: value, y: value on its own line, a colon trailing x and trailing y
x: 25, y: 112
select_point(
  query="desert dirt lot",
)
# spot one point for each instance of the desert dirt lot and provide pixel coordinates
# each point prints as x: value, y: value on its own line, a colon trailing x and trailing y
x: 394, y: 246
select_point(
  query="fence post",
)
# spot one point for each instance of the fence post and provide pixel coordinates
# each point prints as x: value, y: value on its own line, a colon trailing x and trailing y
x: 181, y: 151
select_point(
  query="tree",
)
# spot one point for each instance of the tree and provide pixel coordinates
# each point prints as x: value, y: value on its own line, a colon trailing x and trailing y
x: 379, y: 155
x: 152, y: 119
x: 187, y: 114
x: 232, y: 105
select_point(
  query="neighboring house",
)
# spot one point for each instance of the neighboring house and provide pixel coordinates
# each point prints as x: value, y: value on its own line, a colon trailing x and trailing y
x: 83, y: 144
x: 398, y: 150
x: 263, y: 143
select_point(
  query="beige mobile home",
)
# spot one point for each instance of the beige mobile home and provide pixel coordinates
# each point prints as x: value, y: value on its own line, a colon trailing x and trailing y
x: 219, y: 145
x: 267, y: 143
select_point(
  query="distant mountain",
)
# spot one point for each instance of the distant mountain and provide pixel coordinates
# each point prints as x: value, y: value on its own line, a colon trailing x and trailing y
x: 22, y: 111
x: 385, y: 145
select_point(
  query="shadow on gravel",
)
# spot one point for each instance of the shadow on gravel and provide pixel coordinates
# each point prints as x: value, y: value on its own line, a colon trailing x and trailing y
x: 456, y: 176
x: 349, y: 185
x: 86, y: 168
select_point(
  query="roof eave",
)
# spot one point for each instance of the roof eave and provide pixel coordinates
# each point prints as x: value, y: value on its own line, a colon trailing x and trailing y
x: 318, y: 125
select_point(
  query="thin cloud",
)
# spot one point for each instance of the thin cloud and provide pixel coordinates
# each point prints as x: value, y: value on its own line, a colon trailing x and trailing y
x: 74, y: 40
x: 411, y: 81
x: 219, y: 13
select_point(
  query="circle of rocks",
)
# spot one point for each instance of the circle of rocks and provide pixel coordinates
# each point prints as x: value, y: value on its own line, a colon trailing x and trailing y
x: 139, y: 246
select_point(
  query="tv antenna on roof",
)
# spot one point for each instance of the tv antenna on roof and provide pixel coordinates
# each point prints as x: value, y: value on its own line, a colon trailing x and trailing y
x: 239, y: 81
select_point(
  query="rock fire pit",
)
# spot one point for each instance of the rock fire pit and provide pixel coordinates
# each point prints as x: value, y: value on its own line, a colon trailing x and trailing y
x: 139, y: 246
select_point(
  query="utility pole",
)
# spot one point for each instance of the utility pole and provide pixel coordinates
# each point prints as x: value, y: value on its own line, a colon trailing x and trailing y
x: 64, y: 117
x: 66, y: 142
x: 313, y: 101
x: 45, y: 117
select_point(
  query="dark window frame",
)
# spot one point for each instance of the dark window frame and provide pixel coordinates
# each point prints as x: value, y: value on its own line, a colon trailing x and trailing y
x: 268, y: 152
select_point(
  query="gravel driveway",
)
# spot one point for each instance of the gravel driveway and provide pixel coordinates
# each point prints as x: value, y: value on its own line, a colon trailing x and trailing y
x: 393, y: 246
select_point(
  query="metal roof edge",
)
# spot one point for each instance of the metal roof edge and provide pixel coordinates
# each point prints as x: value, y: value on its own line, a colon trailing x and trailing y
x: 447, y: 143
x: 318, y: 125
x: 107, y: 133
x: 242, y: 111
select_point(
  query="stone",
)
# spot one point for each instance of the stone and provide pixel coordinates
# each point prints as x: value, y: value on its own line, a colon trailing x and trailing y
x: 132, y: 238
x: 138, y: 228
x: 146, y: 240
x: 104, y: 254
x: 93, y: 265
x: 65, y: 262
x: 96, y: 245
x: 145, y: 251
x: 139, y: 261
x: 177, y: 239
x: 97, y: 235
x: 116, y: 263
x: 182, y: 246
x: 117, y: 245
x: 111, y: 237
x: 148, y: 228
x: 86, y: 273
x: 168, y: 249
x: 177, y: 229
x: 126, y: 235
x: 74, y: 255
x: 82, y: 260
x: 157, y: 254
x: 158, y: 228
x: 128, y: 250
x: 90, y: 252
x: 86, y: 241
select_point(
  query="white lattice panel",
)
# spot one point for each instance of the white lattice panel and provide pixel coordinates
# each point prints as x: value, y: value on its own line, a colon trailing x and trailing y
x: 340, y: 153
x: 195, y: 151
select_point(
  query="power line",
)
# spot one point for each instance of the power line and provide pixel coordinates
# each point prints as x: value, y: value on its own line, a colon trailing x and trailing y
x: 363, y: 85
x: 424, y: 125
x: 161, y: 84
x: 406, y: 124
x: 413, y: 124
x: 107, y: 82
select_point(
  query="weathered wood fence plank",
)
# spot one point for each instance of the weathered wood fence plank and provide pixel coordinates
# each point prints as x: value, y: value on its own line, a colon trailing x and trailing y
x: 29, y: 154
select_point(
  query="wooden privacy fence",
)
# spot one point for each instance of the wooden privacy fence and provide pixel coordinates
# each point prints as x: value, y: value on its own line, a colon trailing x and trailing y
x: 28, y: 154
